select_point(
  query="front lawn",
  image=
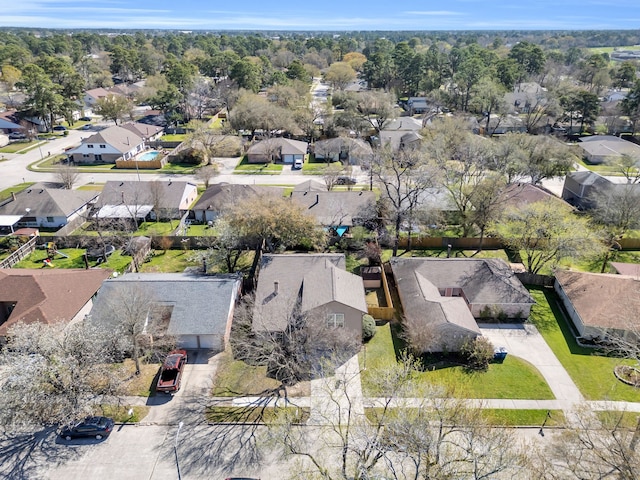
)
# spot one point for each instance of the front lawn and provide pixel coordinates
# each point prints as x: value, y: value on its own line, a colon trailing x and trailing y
x: 247, y: 414
x: 514, y: 378
x: 6, y: 193
x: 120, y: 413
x: 592, y: 373
x: 246, y: 168
x: 20, y: 147
x: 142, y: 385
x: 318, y: 168
x: 237, y: 378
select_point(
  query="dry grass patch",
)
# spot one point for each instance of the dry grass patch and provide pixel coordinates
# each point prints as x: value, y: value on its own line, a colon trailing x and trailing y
x: 138, y: 385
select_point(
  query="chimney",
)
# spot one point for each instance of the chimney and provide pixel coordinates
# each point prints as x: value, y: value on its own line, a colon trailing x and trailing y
x: 276, y: 285
x: 122, y: 196
x: 13, y: 196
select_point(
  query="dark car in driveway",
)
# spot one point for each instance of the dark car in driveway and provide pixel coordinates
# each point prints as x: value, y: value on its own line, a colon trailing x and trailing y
x: 345, y: 181
x: 59, y: 128
x: 97, y: 427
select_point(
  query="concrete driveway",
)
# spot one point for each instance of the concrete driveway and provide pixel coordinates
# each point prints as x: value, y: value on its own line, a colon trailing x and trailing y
x: 524, y: 341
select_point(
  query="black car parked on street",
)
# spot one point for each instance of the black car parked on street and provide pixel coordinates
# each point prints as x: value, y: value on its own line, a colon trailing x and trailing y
x: 98, y: 427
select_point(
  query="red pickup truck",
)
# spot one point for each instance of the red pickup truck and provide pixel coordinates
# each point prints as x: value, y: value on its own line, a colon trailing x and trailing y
x: 171, y: 371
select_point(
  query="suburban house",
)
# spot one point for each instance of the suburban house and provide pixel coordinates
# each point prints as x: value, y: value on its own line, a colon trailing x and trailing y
x: 338, y: 211
x: 48, y: 207
x: 149, y: 133
x: 221, y: 196
x: 447, y: 296
x: 600, y: 304
x: 401, y: 133
x: 525, y: 96
x: 92, y: 96
x: 499, y: 125
x: 519, y: 195
x: 195, y: 309
x: 156, y: 199
x: 416, y: 105
x: 599, y: 149
x: 581, y: 188
x: 629, y: 269
x: 316, y: 285
x: 111, y: 144
x: 47, y: 296
x: 278, y: 150
x: 349, y: 151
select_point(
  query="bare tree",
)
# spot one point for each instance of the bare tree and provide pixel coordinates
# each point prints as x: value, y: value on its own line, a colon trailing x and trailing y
x: 206, y: 173
x: 596, y: 448
x: 55, y: 373
x: 67, y: 176
x: 140, y: 320
x: 434, y: 435
x: 330, y: 174
x: 403, y: 179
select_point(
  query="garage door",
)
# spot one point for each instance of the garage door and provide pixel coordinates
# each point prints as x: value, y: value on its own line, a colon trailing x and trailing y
x: 209, y: 342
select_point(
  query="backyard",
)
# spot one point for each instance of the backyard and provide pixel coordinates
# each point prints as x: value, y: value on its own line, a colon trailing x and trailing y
x: 74, y: 258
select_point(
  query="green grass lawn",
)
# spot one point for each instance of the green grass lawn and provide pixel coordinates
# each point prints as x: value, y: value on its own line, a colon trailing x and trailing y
x: 120, y: 413
x: 200, y: 231
x: 255, y: 415
x: 157, y: 228
x: 514, y: 378
x: 524, y: 417
x: 178, y: 168
x: 318, y: 168
x: 6, y: 193
x: 602, y: 169
x: 171, y: 261
x: 174, y: 137
x: 74, y: 259
x: 497, y: 417
x: 593, y: 374
x: 235, y: 377
x: 245, y: 168
x: 20, y: 147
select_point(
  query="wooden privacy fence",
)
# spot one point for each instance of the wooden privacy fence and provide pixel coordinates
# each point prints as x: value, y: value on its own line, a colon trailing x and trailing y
x: 387, y: 312
x: 24, y: 251
x: 466, y: 243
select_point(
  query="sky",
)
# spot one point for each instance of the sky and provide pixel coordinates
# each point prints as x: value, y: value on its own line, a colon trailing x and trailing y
x: 324, y: 15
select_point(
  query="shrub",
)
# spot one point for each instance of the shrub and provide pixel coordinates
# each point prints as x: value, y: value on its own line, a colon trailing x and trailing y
x: 368, y: 327
x: 478, y: 353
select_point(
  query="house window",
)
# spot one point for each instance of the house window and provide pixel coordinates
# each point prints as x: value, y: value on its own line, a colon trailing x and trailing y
x: 85, y: 155
x: 98, y: 158
x: 89, y: 146
x: 103, y: 146
x: 50, y: 219
x: 335, y: 320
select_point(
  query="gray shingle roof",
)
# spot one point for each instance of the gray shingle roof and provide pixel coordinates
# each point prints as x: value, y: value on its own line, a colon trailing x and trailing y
x: 286, y: 146
x: 312, y: 279
x: 48, y: 202
x: 608, y: 145
x: 201, y: 304
x: 483, y: 281
x: 142, y: 193
x: 223, y: 195
x: 122, y: 139
x: 336, y: 208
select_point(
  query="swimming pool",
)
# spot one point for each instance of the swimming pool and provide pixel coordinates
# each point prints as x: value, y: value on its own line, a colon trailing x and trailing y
x: 148, y: 156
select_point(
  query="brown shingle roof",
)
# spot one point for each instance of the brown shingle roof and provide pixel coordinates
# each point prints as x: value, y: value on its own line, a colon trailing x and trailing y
x: 47, y: 295
x: 602, y: 300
